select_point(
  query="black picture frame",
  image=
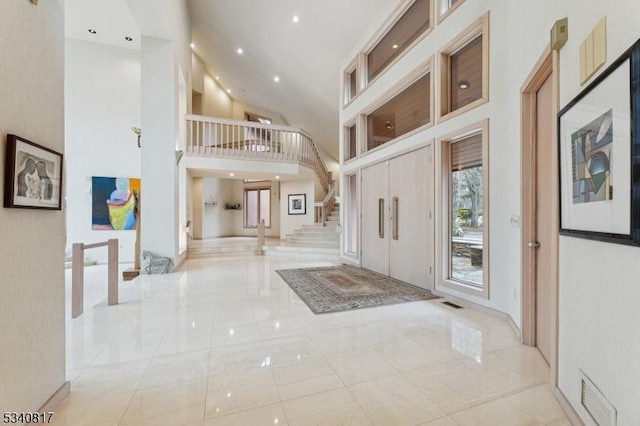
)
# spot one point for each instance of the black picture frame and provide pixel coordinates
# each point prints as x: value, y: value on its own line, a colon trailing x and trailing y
x: 297, y: 204
x: 599, y: 156
x: 33, y: 175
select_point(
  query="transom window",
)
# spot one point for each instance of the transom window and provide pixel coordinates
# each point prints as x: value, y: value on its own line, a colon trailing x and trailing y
x: 415, y: 21
x: 405, y: 112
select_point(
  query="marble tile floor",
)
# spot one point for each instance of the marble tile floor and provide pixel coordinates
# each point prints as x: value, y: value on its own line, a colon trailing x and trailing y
x: 226, y: 342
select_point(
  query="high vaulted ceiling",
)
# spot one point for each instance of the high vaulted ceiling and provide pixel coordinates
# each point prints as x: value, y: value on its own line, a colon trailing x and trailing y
x: 306, y: 56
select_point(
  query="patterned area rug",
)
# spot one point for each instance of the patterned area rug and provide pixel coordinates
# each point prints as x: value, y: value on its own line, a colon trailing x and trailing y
x: 345, y: 287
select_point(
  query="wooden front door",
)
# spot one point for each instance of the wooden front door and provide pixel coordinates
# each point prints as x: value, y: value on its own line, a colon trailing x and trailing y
x: 411, y: 201
x: 375, y: 218
x: 545, y: 191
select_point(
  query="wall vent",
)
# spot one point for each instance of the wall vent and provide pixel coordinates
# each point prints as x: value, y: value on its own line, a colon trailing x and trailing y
x: 595, y: 403
x: 452, y: 305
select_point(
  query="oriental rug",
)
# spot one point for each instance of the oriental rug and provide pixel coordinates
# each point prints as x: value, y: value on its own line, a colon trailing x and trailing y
x: 340, y: 288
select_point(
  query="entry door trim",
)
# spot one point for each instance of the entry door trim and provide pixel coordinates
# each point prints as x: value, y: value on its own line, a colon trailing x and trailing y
x: 547, y: 65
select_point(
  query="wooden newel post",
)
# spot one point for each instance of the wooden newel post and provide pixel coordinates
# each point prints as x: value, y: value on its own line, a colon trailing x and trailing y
x: 77, y: 279
x: 113, y: 272
x: 261, y: 236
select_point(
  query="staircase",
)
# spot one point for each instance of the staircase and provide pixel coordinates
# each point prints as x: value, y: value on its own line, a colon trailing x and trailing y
x: 319, y: 235
x: 223, y: 251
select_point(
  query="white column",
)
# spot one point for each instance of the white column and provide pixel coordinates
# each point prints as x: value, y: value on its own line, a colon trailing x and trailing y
x: 159, y: 231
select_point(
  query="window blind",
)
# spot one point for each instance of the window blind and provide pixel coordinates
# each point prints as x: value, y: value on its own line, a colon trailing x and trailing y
x: 466, y: 152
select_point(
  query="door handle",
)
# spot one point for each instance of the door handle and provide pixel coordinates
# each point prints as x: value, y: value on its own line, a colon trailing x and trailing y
x: 394, y: 223
x: 381, y: 217
x: 533, y: 244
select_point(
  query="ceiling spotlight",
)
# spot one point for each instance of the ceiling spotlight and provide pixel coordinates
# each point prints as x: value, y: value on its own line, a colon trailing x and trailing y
x: 240, y: 51
x: 218, y: 77
x: 92, y: 31
x: 296, y: 19
x: 388, y: 125
x: 193, y: 45
x: 277, y: 177
x: 463, y: 85
x: 128, y: 38
x: 276, y: 79
x: 228, y: 90
x: 232, y: 174
x: 395, y: 46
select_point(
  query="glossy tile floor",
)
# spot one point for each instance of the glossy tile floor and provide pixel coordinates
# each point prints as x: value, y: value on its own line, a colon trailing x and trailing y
x: 226, y: 342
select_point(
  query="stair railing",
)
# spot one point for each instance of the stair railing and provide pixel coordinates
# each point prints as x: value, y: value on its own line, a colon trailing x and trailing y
x: 248, y: 140
x: 323, y: 208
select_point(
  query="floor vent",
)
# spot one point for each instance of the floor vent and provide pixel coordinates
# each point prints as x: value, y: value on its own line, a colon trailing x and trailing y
x: 452, y: 305
x: 598, y: 407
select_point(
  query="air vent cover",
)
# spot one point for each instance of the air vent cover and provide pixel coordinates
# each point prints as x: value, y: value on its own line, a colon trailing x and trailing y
x: 598, y: 407
x: 452, y: 305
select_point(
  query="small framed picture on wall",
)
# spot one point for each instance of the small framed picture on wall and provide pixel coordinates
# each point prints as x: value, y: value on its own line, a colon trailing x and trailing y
x: 297, y: 203
x: 33, y: 176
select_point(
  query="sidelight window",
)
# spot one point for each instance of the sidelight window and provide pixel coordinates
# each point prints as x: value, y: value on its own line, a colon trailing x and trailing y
x: 465, y: 211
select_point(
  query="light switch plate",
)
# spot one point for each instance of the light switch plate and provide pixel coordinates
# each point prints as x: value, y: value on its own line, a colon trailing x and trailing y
x: 515, y: 221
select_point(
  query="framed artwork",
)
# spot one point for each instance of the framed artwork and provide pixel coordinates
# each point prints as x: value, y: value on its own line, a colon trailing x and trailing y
x: 599, y: 156
x: 113, y: 201
x: 33, y: 175
x: 297, y: 203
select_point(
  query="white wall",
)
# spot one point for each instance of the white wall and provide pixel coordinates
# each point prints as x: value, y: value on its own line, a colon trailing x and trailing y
x: 504, y: 285
x: 599, y: 325
x: 32, y: 352
x: 102, y: 104
x: 289, y: 223
x: 216, y: 102
x: 216, y: 221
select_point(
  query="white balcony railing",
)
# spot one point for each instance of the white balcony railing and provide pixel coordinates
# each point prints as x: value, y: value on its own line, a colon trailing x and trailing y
x: 247, y: 140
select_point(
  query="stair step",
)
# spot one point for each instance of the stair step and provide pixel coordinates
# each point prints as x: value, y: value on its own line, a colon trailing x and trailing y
x: 213, y: 255
x: 222, y: 249
x: 314, y: 237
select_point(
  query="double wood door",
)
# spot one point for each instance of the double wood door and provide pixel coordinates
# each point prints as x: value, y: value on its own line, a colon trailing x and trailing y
x: 397, y: 218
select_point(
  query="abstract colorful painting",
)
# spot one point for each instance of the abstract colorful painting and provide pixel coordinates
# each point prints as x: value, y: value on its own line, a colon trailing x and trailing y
x: 113, y: 203
x: 591, y: 149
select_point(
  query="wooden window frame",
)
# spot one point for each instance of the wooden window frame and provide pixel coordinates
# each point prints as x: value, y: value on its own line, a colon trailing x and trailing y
x: 395, y: 16
x: 441, y: 16
x: 480, y: 27
x: 246, y: 205
x: 425, y: 68
x: 346, y: 82
x: 346, y: 139
x: 353, y: 255
x: 443, y: 248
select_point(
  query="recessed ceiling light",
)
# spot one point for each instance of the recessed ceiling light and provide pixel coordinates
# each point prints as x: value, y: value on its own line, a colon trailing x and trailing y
x: 240, y: 51
x: 128, y: 38
x: 277, y: 177
x: 463, y: 85
x: 296, y: 19
x: 193, y: 45
x: 232, y: 174
x: 276, y: 79
x: 395, y: 46
x: 92, y: 31
x: 218, y: 77
x: 228, y: 90
x: 389, y: 125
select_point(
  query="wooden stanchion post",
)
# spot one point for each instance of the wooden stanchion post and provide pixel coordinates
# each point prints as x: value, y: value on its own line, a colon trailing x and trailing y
x: 113, y: 272
x: 77, y: 280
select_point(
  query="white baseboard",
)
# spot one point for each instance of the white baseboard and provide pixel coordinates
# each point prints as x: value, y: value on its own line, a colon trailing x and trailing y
x: 56, y: 399
x: 566, y: 406
x: 472, y: 305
